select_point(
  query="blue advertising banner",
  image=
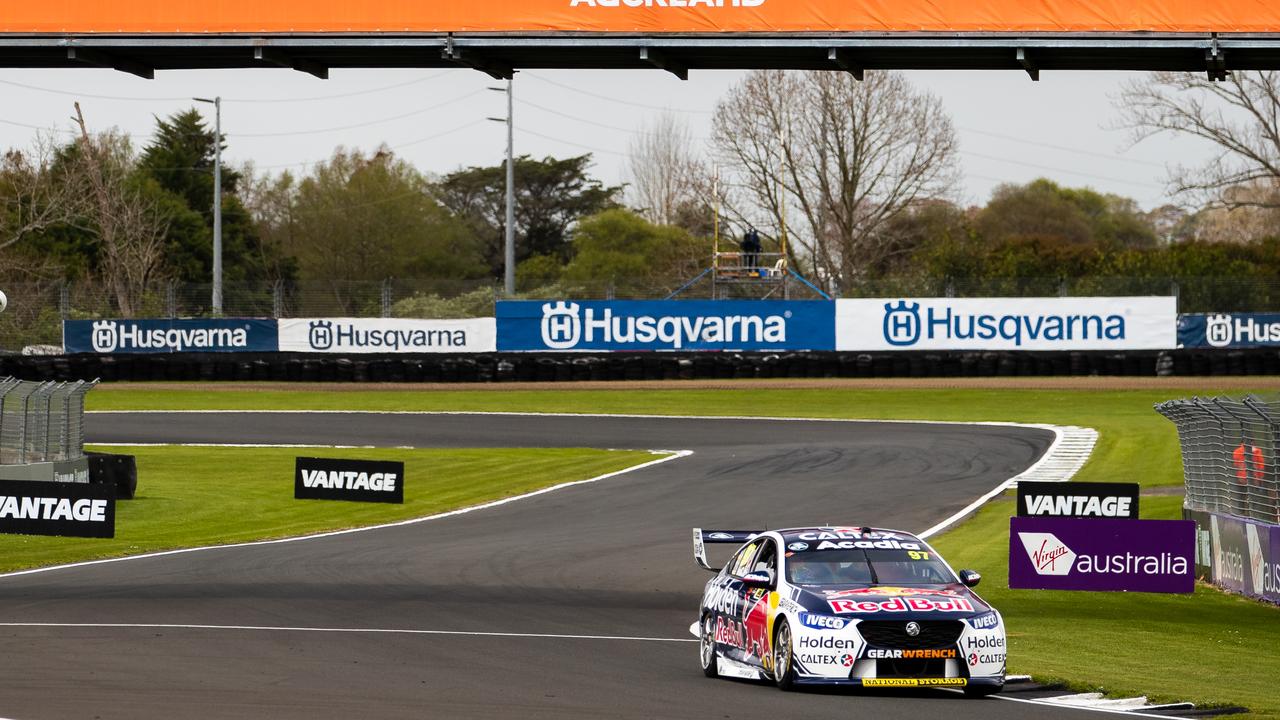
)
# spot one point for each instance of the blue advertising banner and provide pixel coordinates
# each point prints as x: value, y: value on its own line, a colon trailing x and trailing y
x: 1234, y: 330
x: 170, y: 336
x: 569, y: 325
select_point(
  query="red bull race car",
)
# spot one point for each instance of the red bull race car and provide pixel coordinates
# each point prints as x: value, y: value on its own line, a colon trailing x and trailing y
x: 845, y: 606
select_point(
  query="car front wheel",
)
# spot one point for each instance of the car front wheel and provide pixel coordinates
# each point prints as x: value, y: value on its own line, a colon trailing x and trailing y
x: 784, y: 669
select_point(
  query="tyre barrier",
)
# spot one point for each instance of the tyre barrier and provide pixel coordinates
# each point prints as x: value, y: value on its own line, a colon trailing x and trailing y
x: 112, y: 469
x: 544, y: 367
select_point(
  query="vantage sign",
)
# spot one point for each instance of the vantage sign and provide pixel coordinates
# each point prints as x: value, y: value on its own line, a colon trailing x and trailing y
x: 58, y: 508
x: 1078, y: 499
x: 359, y: 480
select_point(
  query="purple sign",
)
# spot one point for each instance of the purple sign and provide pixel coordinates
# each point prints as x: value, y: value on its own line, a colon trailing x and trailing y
x: 1050, y: 553
x: 1271, y: 582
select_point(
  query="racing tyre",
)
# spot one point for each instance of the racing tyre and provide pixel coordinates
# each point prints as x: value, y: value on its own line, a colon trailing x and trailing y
x: 784, y: 667
x: 707, y: 647
x: 981, y: 691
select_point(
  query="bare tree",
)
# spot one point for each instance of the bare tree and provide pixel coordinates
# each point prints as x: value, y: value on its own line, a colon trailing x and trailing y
x: 833, y: 161
x: 34, y: 198
x: 1240, y: 115
x: 664, y: 170
x: 129, y: 223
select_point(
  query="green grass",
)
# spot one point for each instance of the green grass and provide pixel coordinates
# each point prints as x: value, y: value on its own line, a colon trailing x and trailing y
x: 1209, y: 647
x: 193, y: 496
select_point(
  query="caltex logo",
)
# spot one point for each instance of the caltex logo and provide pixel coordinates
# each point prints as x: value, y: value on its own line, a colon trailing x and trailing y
x: 1218, y: 330
x: 561, y: 325
x: 1049, y: 555
x: 902, y: 323
x: 105, y: 339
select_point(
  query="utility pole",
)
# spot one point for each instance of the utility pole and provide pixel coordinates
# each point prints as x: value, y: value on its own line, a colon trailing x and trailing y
x: 217, y: 202
x: 509, y: 250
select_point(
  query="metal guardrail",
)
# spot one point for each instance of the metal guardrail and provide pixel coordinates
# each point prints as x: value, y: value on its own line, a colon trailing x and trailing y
x: 41, y: 421
x: 1230, y: 450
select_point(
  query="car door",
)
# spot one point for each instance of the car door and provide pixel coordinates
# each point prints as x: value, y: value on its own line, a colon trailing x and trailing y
x: 755, y: 604
x: 727, y: 603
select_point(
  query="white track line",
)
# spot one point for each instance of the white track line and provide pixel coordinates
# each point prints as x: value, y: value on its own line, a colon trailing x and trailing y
x: 1061, y: 706
x: 669, y: 456
x: 371, y: 631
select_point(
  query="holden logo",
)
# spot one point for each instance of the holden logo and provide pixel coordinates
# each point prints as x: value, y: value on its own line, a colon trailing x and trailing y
x: 913, y: 629
x: 902, y: 323
x: 798, y: 547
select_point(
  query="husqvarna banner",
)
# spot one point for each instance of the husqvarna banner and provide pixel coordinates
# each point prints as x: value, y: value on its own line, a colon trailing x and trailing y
x: 1053, y: 553
x: 638, y: 16
x: 568, y: 325
x: 1229, y: 330
x: 169, y: 336
x: 1056, y: 323
x: 387, y: 335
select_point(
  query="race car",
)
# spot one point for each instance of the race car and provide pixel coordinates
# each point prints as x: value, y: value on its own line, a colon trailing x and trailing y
x: 854, y: 606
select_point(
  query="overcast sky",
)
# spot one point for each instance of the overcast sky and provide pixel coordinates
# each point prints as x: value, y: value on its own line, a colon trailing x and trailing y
x: 1011, y: 129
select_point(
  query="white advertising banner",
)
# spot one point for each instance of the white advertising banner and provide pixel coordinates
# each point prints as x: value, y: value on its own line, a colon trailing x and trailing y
x: 1054, y: 323
x: 387, y: 335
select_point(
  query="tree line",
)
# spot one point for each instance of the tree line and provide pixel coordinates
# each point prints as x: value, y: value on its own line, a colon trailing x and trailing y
x: 859, y: 177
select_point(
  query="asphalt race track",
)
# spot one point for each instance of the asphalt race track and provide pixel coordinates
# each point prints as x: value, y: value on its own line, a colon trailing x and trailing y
x: 607, y: 563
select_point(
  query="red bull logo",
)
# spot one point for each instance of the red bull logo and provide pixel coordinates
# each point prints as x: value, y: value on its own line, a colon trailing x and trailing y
x: 898, y: 604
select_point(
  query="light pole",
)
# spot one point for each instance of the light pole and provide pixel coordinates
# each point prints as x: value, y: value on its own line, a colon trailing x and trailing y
x: 509, y: 251
x: 217, y: 201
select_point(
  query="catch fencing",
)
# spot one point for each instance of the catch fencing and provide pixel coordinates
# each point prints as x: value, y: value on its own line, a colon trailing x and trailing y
x: 1229, y: 454
x: 41, y: 422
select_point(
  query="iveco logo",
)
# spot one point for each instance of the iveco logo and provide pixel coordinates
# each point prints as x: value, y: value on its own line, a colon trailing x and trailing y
x: 913, y: 629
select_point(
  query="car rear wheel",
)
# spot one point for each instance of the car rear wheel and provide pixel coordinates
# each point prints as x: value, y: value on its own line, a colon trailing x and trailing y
x: 784, y: 669
x: 707, y: 647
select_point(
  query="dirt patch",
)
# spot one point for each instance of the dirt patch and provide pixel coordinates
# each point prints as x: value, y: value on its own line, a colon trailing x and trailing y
x: 1183, y: 385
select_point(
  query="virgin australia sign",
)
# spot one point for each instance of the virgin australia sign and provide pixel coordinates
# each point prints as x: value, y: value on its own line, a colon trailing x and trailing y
x: 566, y: 325
x: 1092, y: 323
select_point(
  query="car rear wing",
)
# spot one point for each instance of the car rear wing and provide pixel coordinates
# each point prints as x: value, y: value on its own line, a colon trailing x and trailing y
x: 701, y: 537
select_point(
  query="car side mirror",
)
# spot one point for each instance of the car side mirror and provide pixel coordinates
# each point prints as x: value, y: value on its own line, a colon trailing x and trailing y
x: 970, y: 578
x: 760, y: 578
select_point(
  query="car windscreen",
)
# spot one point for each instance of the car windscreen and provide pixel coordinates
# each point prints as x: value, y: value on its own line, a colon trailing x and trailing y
x: 867, y: 567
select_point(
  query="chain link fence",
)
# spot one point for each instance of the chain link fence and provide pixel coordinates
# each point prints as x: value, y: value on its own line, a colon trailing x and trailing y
x: 1229, y: 454
x: 41, y: 422
x: 37, y: 309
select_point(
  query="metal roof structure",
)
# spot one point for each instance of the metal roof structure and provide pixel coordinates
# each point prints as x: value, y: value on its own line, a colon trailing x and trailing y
x: 502, y: 54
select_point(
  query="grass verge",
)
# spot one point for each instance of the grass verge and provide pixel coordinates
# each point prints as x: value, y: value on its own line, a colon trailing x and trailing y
x: 1209, y: 647
x: 194, y: 496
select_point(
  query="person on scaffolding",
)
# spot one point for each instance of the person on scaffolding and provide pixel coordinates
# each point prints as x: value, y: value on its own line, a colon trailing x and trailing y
x: 751, y: 248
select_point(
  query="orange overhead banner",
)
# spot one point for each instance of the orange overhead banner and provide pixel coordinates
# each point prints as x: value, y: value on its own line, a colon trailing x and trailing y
x: 637, y: 16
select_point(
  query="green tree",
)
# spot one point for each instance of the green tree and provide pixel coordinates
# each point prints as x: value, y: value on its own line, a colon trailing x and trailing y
x: 632, y: 255
x: 551, y: 195
x: 1079, y: 216
x: 361, y: 218
x: 181, y: 159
